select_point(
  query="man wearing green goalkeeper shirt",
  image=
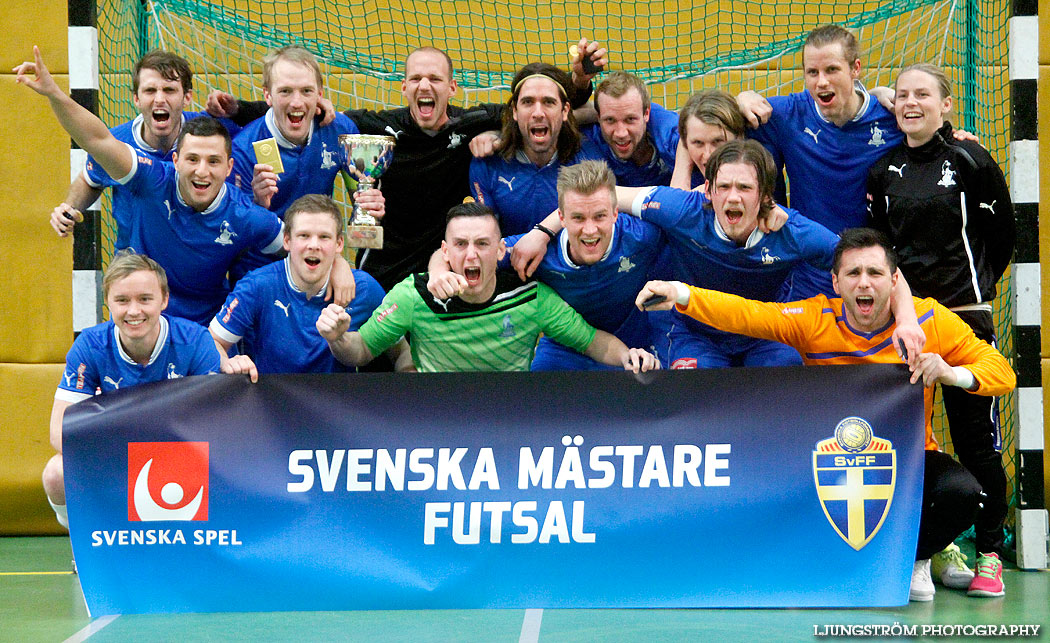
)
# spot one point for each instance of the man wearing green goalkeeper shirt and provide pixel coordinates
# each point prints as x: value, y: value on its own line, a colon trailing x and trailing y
x: 492, y: 323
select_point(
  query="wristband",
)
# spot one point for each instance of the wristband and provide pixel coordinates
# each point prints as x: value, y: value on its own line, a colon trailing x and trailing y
x: 545, y: 230
x: 964, y: 378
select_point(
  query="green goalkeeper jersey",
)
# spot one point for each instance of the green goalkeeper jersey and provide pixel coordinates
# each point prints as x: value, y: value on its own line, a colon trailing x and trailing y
x: 453, y: 335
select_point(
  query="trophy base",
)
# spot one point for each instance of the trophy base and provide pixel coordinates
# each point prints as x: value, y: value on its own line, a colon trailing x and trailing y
x: 364, y: 236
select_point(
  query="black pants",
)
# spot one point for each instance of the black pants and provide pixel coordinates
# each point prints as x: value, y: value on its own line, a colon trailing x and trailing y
x: 973, y: 423
x: 950, y: 497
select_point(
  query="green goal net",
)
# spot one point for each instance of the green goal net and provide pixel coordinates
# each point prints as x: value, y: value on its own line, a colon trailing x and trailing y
x: 676, y: 47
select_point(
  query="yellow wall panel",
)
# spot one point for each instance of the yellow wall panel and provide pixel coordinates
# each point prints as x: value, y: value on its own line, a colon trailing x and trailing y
x: 25, y: 447
x: 1044, y: 38
x: 35, y: 284
x: 47, y: 27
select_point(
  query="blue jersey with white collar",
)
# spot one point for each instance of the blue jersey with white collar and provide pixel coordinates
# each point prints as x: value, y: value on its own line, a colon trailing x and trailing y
x: 603, y: 292
x: 518, y: 191
x: 662, y: 132
x: 283, y: 317
x: 97, y: 361
x: 827, y: 166
x: 194, y: 248
x: 703, y: 254
x: 131, y: 133
x: 308, y: 169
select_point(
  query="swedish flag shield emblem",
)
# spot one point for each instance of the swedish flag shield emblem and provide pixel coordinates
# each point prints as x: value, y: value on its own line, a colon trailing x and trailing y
x: 855, y: 474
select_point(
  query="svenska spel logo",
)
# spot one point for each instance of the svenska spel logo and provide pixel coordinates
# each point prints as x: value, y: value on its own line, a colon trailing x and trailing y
x: 167, y: 481
x: 855, y: 473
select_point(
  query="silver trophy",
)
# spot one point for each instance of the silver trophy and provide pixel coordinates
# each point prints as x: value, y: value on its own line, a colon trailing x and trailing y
x: 367, y: 157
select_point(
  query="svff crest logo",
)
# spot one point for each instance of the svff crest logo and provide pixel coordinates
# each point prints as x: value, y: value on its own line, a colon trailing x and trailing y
x: 855, y: 474
x: 167, y: 481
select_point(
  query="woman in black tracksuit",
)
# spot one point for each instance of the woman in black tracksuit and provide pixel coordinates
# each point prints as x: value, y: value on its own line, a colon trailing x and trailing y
x: 945, y: 205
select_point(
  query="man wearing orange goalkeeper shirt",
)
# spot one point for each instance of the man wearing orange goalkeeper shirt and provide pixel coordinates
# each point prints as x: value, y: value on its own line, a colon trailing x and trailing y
x: 856, y: 328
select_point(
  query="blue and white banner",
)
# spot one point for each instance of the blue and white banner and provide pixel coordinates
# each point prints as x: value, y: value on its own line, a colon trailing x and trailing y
x: 781, y: 487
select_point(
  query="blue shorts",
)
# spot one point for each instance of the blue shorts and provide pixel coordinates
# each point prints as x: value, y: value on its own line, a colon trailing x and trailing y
x: 552, y: 356
x: 697, y: 350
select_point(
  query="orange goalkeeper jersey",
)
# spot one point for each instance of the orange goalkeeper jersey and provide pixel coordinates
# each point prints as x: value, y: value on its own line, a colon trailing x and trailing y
x: 818, y: 329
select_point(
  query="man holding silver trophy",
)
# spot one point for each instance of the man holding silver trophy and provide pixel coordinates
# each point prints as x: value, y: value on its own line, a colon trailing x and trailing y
x: 428, y: 172
x: 285, y: 154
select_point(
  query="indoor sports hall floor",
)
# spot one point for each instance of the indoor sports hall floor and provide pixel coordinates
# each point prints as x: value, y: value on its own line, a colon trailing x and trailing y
x: 40, y: 601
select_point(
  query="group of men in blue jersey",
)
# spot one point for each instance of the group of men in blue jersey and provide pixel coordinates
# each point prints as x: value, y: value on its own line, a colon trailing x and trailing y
x: 584, y: 208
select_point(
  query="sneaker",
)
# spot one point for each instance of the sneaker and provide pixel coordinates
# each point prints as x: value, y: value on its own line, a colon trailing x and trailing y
x: 949, y: 567
x: 922, y: 588
x: 989, y: 579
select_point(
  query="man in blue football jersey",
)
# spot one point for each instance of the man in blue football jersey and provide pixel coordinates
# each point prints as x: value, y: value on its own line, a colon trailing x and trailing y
x: 185, y: 218
x: 139, y: 344
x: 161, y: 86
x: 310, y: 153
x: 281, y: 301
x: 595, y: 263
x: 539, y: 136
x: 637, y: 137
x: 715, y: 238
x: 827, y: 137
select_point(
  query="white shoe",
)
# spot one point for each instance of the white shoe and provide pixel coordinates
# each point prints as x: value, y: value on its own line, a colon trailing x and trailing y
x: 922, y: 588
x: 949, y: 567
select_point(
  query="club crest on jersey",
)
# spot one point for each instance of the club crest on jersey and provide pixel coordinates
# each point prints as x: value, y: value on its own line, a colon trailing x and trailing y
x: 508, y: 327
x: 876, y: 136
x: 947, y: 175
x: 768, y: 258
x: 171, y: 374
x: 454, y: 139
x: 625, y: 265
x: 855, y: 474
x: 226, y: 235
x: 327, y: 162
x: 167, y: 481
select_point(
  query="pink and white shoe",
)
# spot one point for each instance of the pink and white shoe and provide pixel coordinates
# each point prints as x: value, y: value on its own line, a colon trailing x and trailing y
x: 988, y: 580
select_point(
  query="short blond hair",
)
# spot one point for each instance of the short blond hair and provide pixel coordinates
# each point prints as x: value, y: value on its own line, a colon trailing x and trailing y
x: 585, y: 178
x: 292, y: 54
x: 127, y: 262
